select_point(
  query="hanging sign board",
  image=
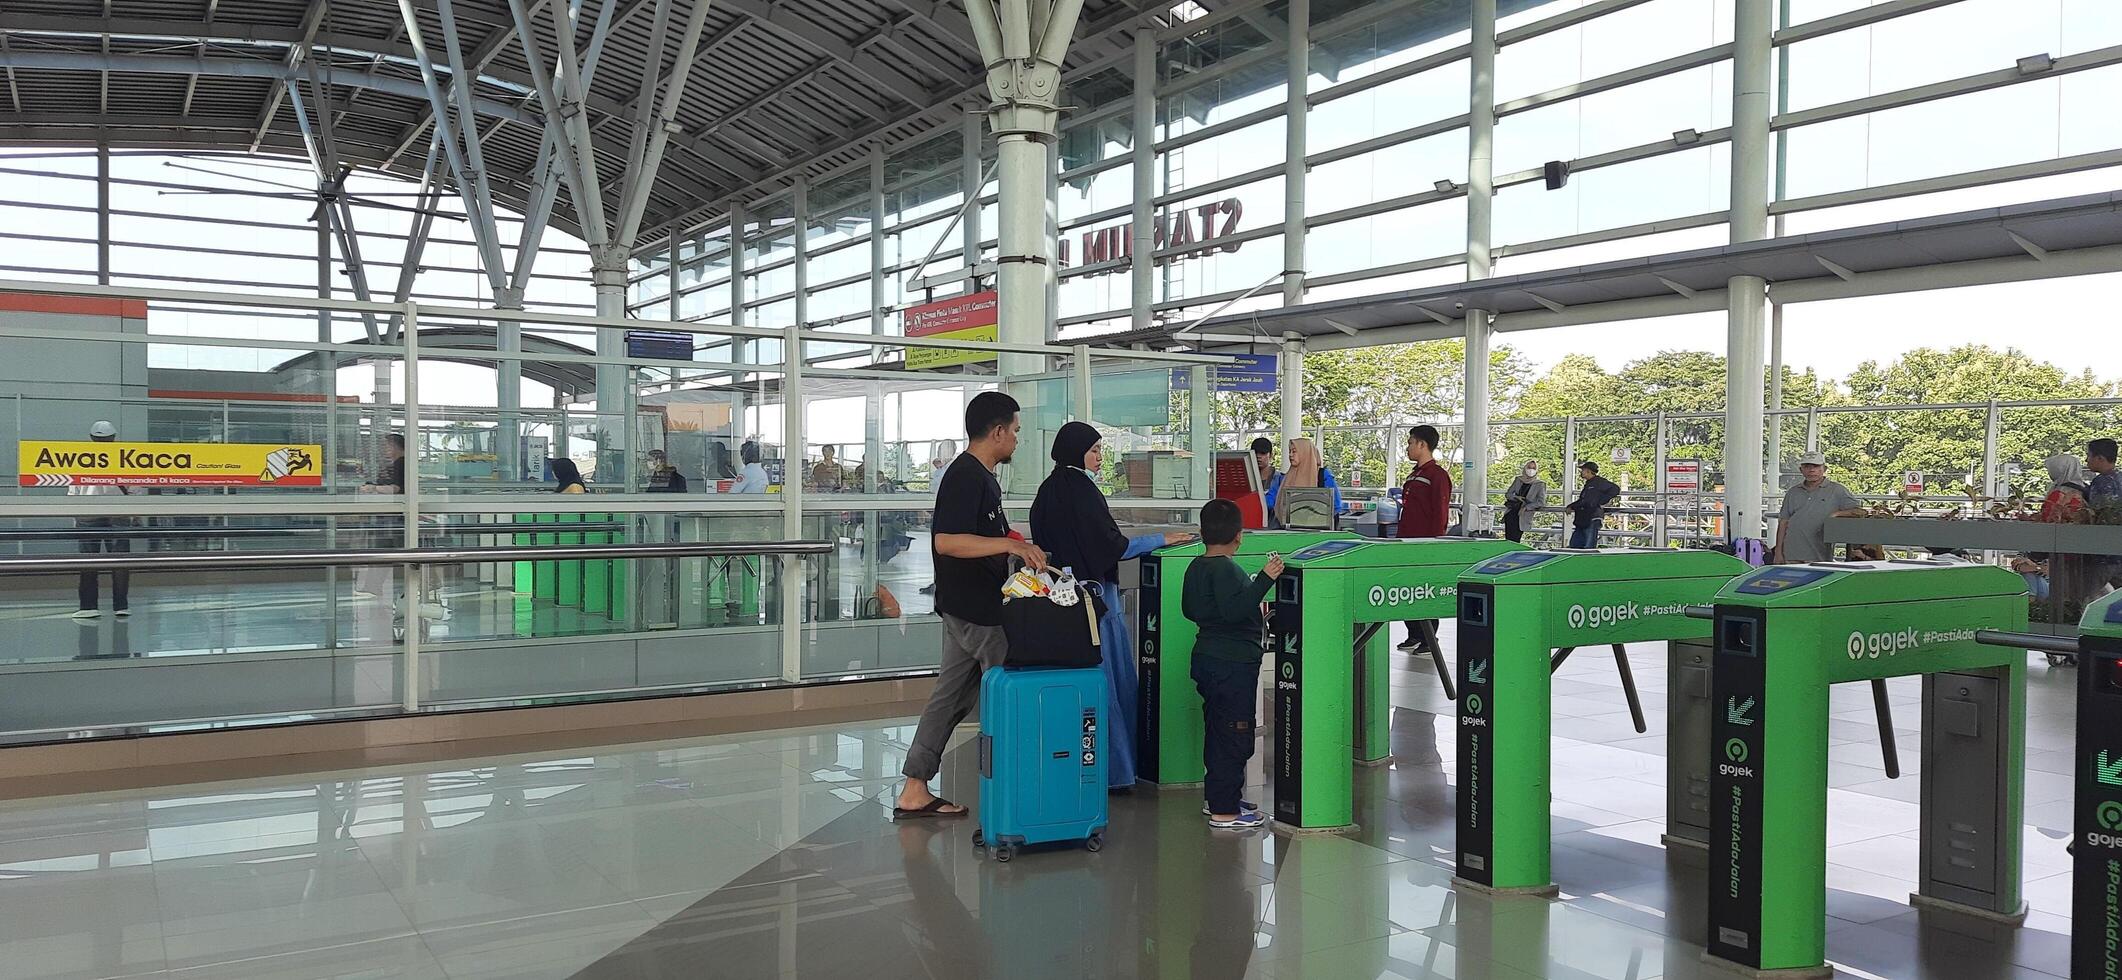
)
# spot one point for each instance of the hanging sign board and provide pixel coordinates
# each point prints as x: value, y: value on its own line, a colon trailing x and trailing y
x: 673, y: 345
x: 1254, y: 373
x: 168, y: 464
x: 969, y: 317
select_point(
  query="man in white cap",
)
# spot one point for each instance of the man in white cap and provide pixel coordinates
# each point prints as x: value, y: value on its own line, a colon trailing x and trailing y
x: 1801, y: 532
x: 90, y: 588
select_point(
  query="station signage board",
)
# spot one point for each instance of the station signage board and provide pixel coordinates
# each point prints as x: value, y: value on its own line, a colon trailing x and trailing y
x: 168, y: 464
x: 973, y: 316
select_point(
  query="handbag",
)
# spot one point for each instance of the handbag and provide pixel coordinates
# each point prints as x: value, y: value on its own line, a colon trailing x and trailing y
x: 1043, y: 633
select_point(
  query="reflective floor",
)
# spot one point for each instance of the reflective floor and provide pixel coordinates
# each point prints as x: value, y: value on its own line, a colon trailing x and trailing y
x: 771, y: 855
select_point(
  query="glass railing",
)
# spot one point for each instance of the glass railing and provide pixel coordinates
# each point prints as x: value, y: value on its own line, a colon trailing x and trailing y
x: 292, y: 415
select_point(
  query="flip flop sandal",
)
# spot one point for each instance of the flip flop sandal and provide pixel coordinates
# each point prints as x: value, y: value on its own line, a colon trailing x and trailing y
x: 934, y: 809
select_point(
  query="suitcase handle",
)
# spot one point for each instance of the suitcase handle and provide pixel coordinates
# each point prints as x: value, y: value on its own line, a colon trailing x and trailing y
x: 986, y: 745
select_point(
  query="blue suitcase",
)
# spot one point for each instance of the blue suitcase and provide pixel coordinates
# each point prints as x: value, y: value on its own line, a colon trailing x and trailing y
x: 1042, y: 758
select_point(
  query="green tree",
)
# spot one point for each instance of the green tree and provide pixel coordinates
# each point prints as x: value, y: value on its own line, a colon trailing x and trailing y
x: 1679, y: 383
x: 1871, y: 451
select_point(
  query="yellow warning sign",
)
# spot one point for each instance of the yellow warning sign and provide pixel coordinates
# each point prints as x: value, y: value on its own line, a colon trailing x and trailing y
x: 168, y: 464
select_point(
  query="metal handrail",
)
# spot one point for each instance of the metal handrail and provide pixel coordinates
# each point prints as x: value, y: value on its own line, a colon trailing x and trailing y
x: 2029, y: 641
x: 213, y: 560
x: 345, y: 527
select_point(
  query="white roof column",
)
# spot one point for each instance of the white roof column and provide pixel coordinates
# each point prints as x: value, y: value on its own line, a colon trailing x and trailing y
x: 1023, y: 58
x: 1746, y: 341
x: 1480, y: 206
x: 1293, y: 212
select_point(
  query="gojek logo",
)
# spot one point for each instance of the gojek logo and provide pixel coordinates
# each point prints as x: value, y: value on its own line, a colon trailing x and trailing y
x: 2108, y: 816
x: 1872, y: 646
x: 1472, y: 718
x: 1598, y: 617
x: 1402, y: 595
x: 1736, y: 753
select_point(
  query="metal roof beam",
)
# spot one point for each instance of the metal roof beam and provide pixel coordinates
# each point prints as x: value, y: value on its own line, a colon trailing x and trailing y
x: 641, y: 174
x: 467, y: 188
x: 869, y: 65
x: 486, y: 231
x: 489, y: 48
x: 310, y: 22
x: 946, y: 19
x: 241, y: 68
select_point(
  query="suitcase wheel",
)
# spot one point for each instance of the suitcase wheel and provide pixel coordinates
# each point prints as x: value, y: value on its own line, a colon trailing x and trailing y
x: 1003, y: 852
x: 1095, y: 842
x: 979, y: 838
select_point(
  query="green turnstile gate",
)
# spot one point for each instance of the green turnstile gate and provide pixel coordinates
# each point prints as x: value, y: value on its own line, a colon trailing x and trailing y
x: 1168, y: 724
x: 1783, y: 635
x: 2096, y: 829
x: 1330, y: 686
x: 1520, y: 615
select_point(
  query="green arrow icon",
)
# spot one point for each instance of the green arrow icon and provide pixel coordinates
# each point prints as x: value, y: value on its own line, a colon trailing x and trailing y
x: 1735, y: 711
x: 1478, y: 673
x: 2107, y: 772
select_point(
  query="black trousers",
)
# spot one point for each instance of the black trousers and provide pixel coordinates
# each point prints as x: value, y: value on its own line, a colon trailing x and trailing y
x: 1230, y: 693
x: 1513, y: 524
x: 91, y: 544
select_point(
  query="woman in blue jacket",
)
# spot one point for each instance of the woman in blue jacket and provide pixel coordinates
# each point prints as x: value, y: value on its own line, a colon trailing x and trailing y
x: 1306, y: 469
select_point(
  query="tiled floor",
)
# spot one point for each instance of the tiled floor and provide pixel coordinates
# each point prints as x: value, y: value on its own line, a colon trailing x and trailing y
x: 772, y: 856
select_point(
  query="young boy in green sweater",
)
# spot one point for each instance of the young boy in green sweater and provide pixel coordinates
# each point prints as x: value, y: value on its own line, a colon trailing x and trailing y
x: 1225, y: 605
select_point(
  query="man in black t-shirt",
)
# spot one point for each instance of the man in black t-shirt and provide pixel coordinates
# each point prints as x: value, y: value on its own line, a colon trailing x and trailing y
x: 972, y: 546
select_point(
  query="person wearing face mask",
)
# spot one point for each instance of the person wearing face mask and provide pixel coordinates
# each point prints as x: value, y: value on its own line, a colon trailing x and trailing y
x: 1071, y: 520
x: 1527, y: 494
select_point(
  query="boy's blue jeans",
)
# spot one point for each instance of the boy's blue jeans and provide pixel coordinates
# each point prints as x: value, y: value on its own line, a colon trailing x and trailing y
x: 1230, y: 693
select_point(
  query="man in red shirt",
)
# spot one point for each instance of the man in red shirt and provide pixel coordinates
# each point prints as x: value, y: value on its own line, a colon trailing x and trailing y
x: 1425, y: 508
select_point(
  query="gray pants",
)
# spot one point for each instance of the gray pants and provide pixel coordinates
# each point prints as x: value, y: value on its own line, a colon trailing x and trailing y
x: 968, y: 650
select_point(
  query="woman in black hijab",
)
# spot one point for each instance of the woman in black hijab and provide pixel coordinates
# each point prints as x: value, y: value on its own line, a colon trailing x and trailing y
x: 1071, y: 521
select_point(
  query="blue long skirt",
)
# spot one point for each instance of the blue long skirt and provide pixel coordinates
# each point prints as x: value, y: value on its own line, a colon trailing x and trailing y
x: 1123, y: 687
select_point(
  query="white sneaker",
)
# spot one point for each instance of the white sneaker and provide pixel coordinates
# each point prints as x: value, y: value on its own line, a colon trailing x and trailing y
x: 122, y: 613
x: 1243, y: 821
x: 88, y: 614
x: 1244, y: 806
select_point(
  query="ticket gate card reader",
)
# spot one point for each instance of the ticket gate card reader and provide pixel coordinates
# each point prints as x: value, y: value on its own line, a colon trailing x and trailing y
x: 1168, y: 714
x: 2096, y: 833
x: 1331, y: 693
x: 1519, y: 616
x: 1782, y: 636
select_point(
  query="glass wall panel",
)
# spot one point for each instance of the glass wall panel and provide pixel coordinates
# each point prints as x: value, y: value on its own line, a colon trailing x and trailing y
x: 1610, y: 43
x: 1674, y: 185
x: 1407, y: 235
x: 2023, y: 123
x: 1395, y: 171
x: 1644, y: 113
x: 1958, y: 39
x: 1438, y: 93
